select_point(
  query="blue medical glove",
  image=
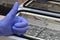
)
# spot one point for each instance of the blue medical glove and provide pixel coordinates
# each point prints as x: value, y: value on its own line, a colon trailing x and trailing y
x: 42, y: 1
x: 12, y: 24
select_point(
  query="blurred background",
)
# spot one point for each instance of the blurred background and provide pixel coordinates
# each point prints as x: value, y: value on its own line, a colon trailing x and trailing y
x: 6, y: 5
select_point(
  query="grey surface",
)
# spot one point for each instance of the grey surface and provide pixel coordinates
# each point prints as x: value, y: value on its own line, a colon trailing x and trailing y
x: 49, y: 34
x: 46, y: 6
x: 33, y: 30
x: 44, y: 33
x: 48, y: 30
x: 8, y: 1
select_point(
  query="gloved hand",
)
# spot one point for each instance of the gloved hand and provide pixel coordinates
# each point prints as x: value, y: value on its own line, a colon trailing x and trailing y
x: 12, y: 24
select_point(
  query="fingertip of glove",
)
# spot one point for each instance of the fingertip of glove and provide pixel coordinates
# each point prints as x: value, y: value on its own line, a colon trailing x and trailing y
x: 16, y: 4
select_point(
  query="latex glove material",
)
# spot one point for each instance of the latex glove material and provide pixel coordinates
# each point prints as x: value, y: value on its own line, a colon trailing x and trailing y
x: 20, y: 25
x: 42, y: 1
x: 12, y: 24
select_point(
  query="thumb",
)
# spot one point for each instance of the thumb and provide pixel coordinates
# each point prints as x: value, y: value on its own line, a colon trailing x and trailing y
x: 12, y: 13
